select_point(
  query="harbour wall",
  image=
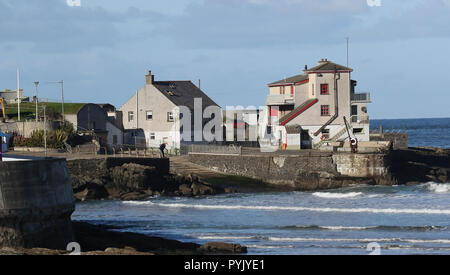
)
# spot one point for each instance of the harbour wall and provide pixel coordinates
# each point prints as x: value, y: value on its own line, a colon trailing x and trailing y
x: 36, y: 202
x: 304, y: 172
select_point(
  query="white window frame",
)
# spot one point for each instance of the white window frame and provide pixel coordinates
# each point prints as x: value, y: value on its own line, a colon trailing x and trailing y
x: 147, y: 115
x: 130, y: 116
x: 170, y: 117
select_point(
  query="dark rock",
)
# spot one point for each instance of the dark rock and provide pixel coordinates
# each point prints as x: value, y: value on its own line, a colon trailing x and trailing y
x: 185, y: 190
x: 199, y: 189
x: 92, y: 192
x: 412, y: 183
x: 134, y: 196
x: 134, y: 176
x: 219, y: 247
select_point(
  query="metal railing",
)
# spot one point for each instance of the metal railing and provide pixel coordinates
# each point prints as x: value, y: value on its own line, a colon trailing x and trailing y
x: 365, y: 97
x: 211, y: 149
x: 361, y: 119
x: 280, y: 99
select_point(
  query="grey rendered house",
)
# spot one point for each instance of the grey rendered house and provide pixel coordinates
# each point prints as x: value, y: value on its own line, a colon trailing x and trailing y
x: 98, y: 118
x: 155, y: 108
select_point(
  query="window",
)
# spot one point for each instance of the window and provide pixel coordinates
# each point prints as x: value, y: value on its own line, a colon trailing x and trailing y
x: 358, y: 130
x: 326, y: 134
x: 354, y: 110
x: 130, y: 116
x: 152, y: 136
x: 169, y: 116
x: 149, y: 115
x: 292, y: 90
x: 325, y: 110
x: 324, y: 89
x: 281, y: 90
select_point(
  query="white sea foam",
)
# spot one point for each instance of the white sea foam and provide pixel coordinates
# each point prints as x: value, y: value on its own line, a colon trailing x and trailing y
x: 337, y: 195
x: 347, y: 227
x: 225, y: 237
x: 379, y: 240
x: 438, y: 187
x: 295, y: 208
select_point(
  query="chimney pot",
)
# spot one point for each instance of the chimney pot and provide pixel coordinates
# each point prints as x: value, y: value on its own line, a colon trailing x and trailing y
x: 149, y: 79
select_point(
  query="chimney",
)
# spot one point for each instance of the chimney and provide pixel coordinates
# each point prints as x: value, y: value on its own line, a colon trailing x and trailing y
x: 149, y: 79
x: 306, y: 67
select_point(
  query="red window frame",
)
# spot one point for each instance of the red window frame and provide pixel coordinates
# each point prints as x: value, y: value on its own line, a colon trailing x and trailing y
x: 324, y: 110
x: 292, y: 90
x: 324, y: 89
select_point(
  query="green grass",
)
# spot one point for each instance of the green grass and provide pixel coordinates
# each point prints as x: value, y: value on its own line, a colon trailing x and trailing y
x: 28, y: 109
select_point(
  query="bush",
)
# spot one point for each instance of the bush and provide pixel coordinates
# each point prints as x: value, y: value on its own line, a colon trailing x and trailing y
x: 55, y: 139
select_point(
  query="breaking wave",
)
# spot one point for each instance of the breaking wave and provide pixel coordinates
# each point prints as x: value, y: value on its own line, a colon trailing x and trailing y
x: 295, y: 208
x: 359, y: 228
x: 325, y: 240
x: 326, y: 195
x: 438, y: 187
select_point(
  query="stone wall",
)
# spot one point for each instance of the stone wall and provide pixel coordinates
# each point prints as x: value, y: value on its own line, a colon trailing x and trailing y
x: 36, y: 202
x: 362, y: 165
x: 399, y: 140
x: 303, y: 172
x: 271, y: 169
x: 100, y: 166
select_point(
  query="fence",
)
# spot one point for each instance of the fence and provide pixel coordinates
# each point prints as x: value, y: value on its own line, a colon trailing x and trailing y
x: 211, y: 149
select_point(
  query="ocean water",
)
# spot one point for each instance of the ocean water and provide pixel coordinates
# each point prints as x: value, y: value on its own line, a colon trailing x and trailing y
x: 353, y: 220
x: 428, y: 132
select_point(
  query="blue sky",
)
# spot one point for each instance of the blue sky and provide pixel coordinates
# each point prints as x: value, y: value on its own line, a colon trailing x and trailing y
x: 103, y: 48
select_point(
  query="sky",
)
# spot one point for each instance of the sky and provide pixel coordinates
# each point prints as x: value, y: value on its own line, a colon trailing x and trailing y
x: 102, y: 49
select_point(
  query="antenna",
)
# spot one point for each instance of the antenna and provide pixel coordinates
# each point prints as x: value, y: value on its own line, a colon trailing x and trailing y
x: 18, y: 94
x: 348, y: 39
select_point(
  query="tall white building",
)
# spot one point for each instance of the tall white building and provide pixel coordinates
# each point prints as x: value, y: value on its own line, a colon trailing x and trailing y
x: 308, y: 110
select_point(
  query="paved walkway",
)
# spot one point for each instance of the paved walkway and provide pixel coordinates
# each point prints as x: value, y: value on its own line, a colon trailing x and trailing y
x: 182, y: 165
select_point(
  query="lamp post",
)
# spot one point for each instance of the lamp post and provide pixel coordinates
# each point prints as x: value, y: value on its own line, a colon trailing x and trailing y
x: 36, y: 83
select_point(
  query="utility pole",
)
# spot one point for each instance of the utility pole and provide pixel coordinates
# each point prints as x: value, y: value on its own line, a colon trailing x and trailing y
x: 36, y: 83
x: 45, y: 130
x: 18, y: 94
x: 62, y: 96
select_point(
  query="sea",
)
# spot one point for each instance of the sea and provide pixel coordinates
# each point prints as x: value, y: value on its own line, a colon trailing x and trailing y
x: 357, y: 220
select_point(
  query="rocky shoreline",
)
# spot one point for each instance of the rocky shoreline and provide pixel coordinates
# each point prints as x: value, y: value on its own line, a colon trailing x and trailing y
x: 101, y: 240
x: 132, y: 181
x: 135, y: 182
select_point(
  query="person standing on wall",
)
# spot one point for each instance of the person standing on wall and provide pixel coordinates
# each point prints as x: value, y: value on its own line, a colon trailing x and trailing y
x: 162, y: 147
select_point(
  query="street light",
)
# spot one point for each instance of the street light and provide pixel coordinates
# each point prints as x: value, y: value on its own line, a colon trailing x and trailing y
x: 62, y: 95
x: 36, y: 83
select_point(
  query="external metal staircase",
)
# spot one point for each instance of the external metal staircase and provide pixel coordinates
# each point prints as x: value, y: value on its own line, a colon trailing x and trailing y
x: 333, y: 139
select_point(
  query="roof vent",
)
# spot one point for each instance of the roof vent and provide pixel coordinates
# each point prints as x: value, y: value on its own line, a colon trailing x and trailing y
x: 173, y: 86
x: 170, y: 93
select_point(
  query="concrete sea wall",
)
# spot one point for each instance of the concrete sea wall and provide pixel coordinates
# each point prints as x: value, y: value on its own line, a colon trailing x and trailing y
x: 304, y: 172
x: 36, y: 202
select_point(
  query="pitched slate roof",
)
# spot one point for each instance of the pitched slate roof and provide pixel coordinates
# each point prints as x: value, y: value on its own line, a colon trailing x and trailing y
x: 290, y: 80
x: 329, y: 66
x: 182, y: 93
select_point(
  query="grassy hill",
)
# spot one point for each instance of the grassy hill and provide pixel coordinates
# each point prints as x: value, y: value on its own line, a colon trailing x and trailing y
x: 28, y: 109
